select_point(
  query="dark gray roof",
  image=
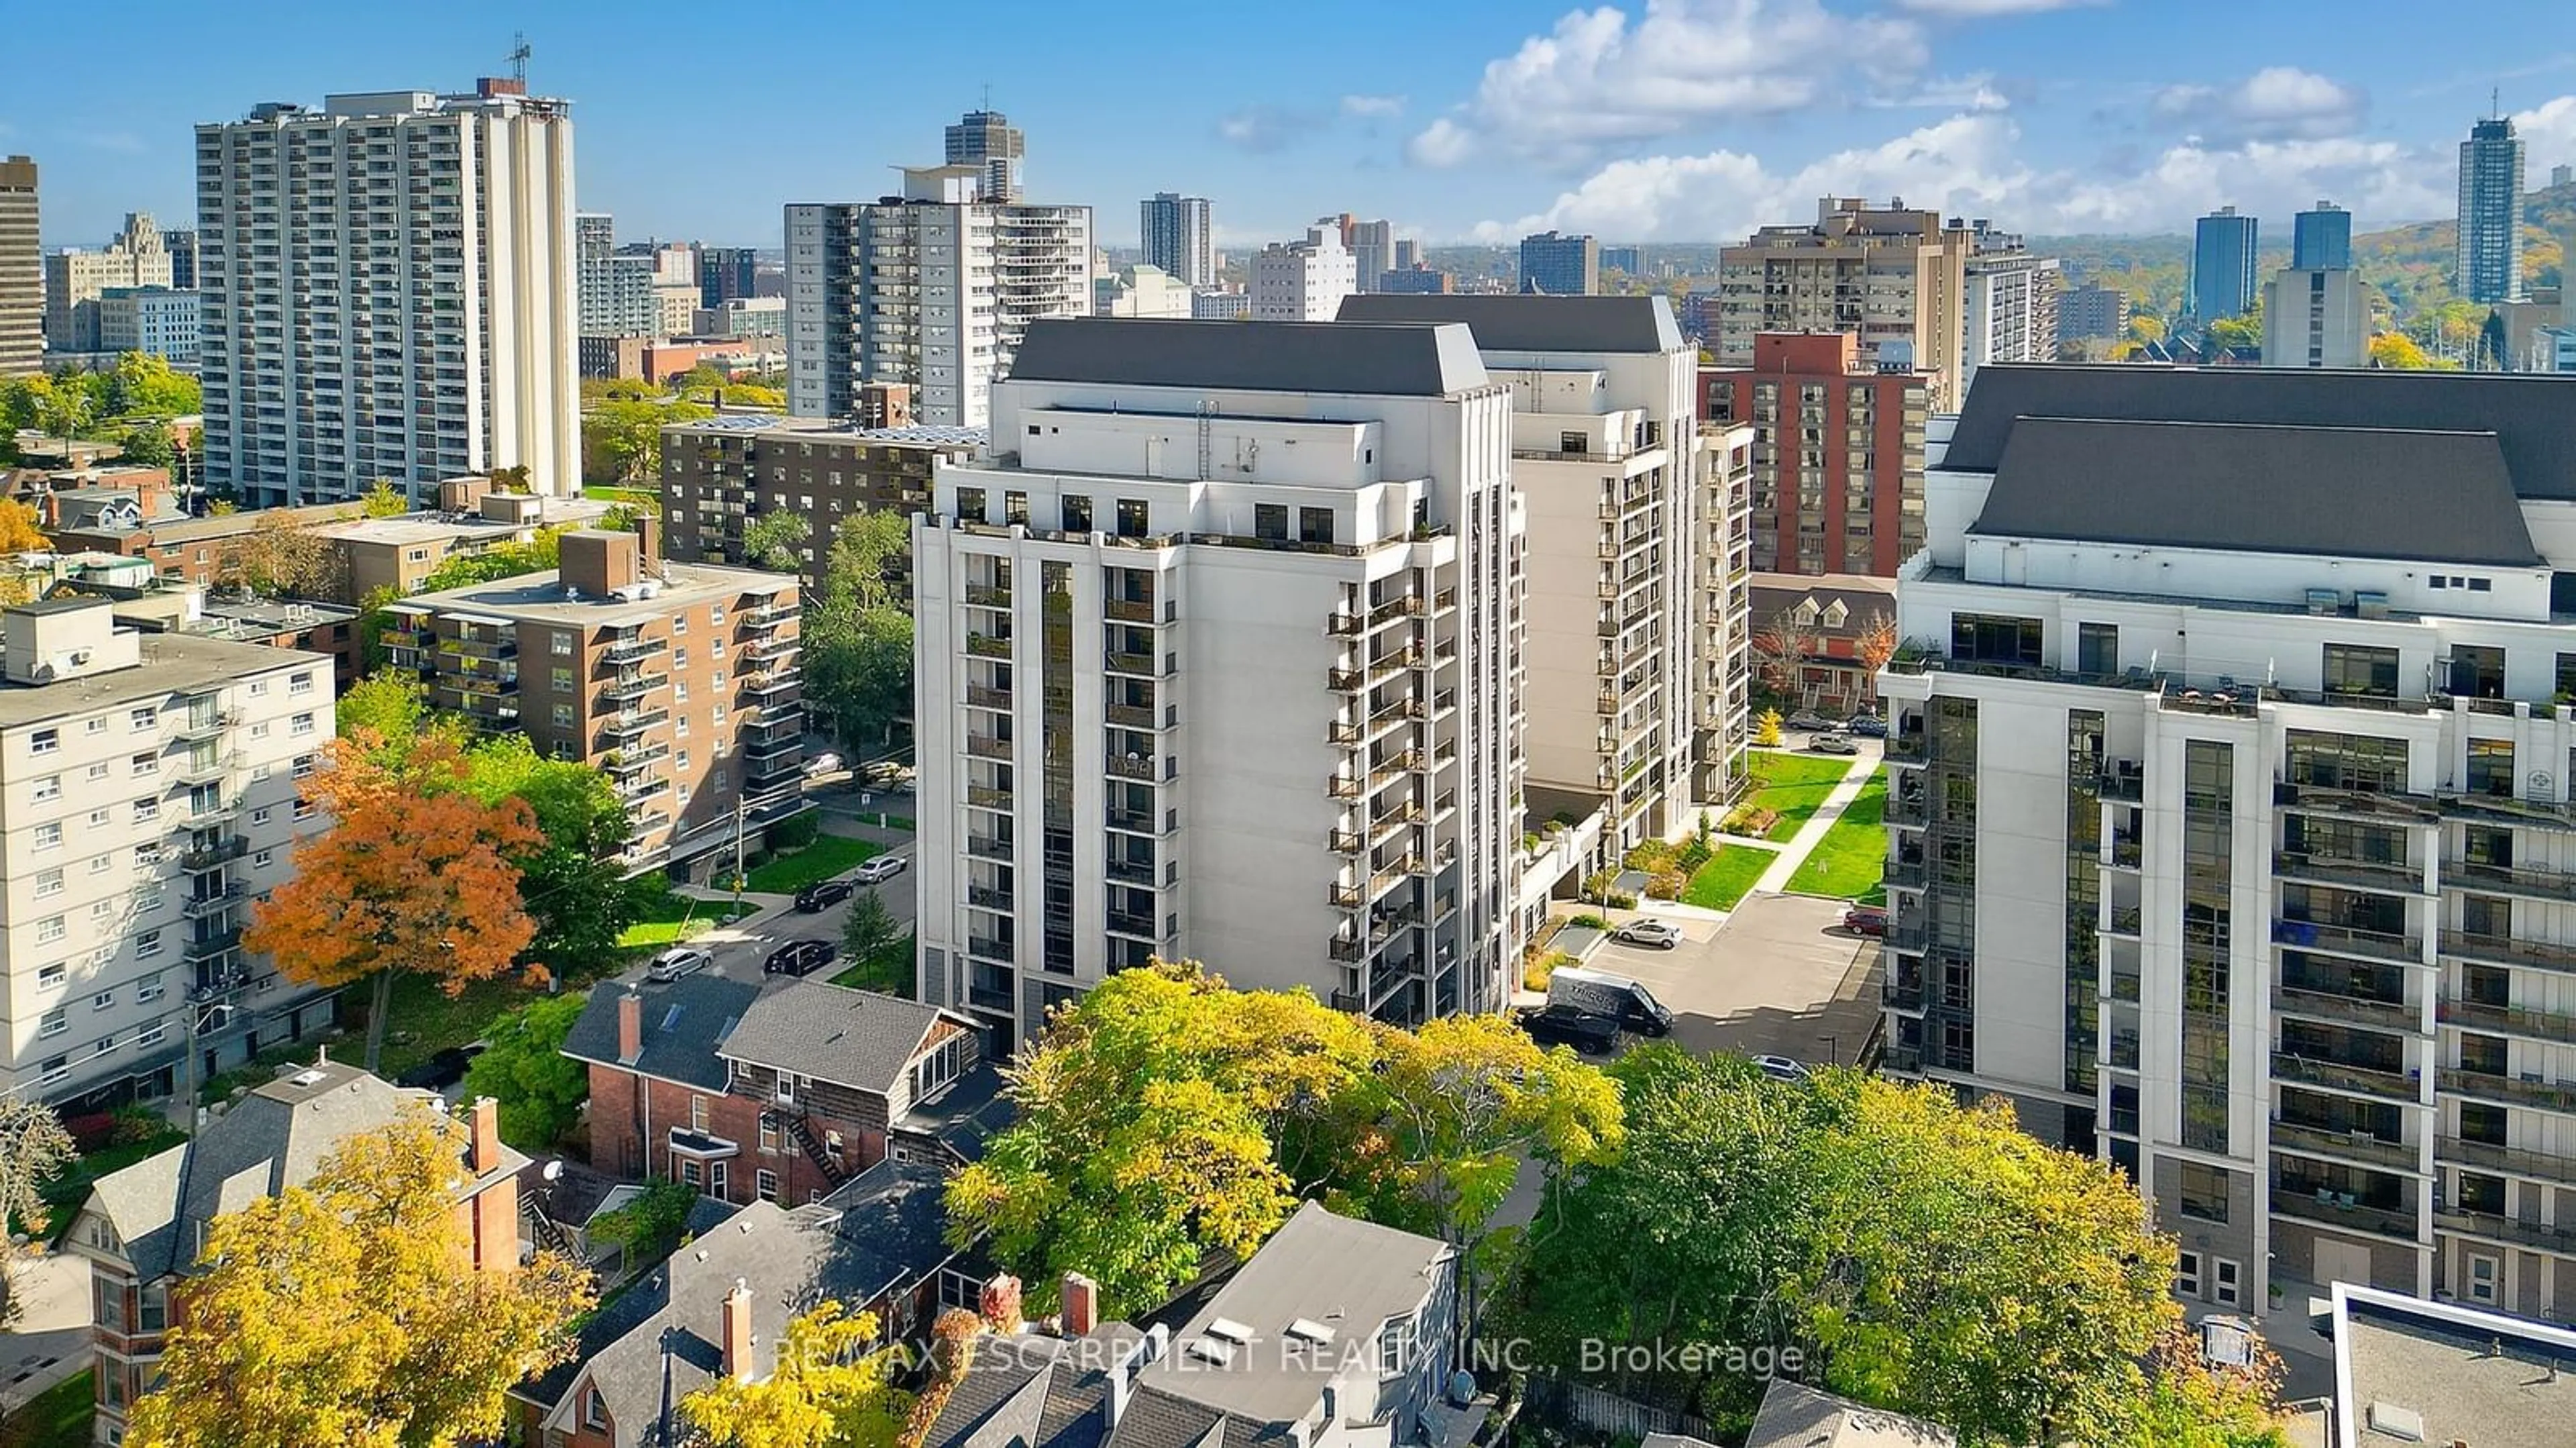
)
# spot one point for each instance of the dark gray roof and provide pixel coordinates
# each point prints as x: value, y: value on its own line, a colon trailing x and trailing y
x: 1327, y: 1268
x: 861, y: 1038
x: 2532, y: 415
x: 1532, y: 323
x: 1796, y: 1416
x: 894, y: 1223
x: 1404, y: 361
x: 273, y: 1138
x: 2435, y: 497
x: 964, y: 1115
x: 684, y: 1022
x: 1032, y: 1391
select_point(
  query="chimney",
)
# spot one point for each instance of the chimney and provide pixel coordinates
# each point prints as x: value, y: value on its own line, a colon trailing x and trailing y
x: 598, y: 562
x: 737, y: 1332
x: 1080, y: 1312
x: 483, y: 1149
x: 648, y: 542
x: 630, y: 1028
x: 999, y: 1303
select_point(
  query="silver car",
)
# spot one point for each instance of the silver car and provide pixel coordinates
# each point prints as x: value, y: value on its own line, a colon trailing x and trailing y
x: 676, y: 962
x: 1652, y: 934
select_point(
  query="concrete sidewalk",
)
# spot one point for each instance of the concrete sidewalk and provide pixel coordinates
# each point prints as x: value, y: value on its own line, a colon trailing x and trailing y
x: 1775, y: 880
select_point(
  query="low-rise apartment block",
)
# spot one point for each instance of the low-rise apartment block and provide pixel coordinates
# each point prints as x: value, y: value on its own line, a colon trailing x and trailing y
x: 720, y: 474
x: 2231, y: 828
x: 148, y: 789
x: 680, y: 680
x: 1219, y: 657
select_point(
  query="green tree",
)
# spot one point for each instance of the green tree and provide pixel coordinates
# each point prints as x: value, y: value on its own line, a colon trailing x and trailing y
x: 833, y: 1387
x: 349, y: 1310
x: 775, y: 540
x: 571, y: 883
x: 523, y: 1067
x: 870, y: 554
x: 542, y: 551
x: 857, y: 632
x: 649, y: 1227
x: 384, y: 500
x: 872, y: 937
x: 1920, y: 1256
x: 147, y: 444
x: 624, y: 435
x: 144, y: 384
x: 390, y: 707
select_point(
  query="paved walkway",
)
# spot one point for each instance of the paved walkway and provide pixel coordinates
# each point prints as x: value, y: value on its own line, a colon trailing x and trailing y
x: 1775, y: 880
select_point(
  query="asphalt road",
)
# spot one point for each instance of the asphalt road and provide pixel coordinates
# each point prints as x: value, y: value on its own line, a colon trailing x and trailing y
x: 1781, y: 977
x: 740, y: 948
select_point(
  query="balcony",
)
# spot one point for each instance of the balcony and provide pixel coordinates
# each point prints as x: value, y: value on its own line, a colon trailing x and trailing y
x: 2524, y: 1090
x: 213, y: 903
x: 2336, y: 1076
x: 480, y: 648
x: 635, y: 761
x: 212, y: 945
x: 986, y: 747
x: 2317, y: 1204
x: 2525, y: 880
x: 1130, y: 610
x: 639, y: 789
x: 770, y: 615
x: 632, y: 689
x: 201, y: 726
x: 1135, y: 767
x: 989, y: 998
x: 984, y: 947
x: 989, y: 849
x: 2356, y: 800
x: 986, y: 797
x: 765, y: 649
x: 633, y: 650
x: 985, y: 696
x: 1132, y: 716
x: 988, y: 646
x: 2532, y: 1025
x: 2125, y: 922
x: 1138, y: 665
x: 1140, y: 926
x: 1907, y: 874
x: 2354, y: 874
x: 2505, y: 809
x: 214, y: 770
x: 2560, y: 1239
x: 2348, y: 1009
x: 2550, y: 1166
x: 985, y: 897
x: 212, y: 815
x: 2503, y: 950
x: 764, y: 683
x: 210, y: 857
x: 2347, y: 940
x: 2348, y: 1146
x: 633, y: 723
x: 985, y: 595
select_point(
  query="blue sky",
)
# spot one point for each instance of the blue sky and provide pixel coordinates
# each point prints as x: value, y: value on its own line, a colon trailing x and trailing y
x: 1672, y: 120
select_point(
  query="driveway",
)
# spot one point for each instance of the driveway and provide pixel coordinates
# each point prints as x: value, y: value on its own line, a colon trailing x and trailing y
x: 741, y: 947
x: 1779, y: 977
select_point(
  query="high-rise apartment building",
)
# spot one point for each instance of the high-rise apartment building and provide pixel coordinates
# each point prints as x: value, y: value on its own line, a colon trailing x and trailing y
x: 2313, y: 311
x: 2321, y: 238
x: 722, y: 473
x: 1180, y: 237
x: 2489, y: 268
x: 991, y: 145
x: 1637, y: 522
x: 388, y: 292
x: 74, y: 278
x: 617, y: 296
x: 678, y: 680
x: 1406, y: 256
x: 2231, y: 834
x: 152, y: 786
x: 1836, y: 482
x: 2222, y: 265
x: 2011, y: 302
x: 1372, y: 251
x: 727, y: 274
x: 2093, y: 313
x: 1303, y: 281
x: 156, y: 320
x: 1560, y: 266
x: 1219, y: 658
x: 934, y: 290
x: 1894, y: 278
x: 22, y: 271
x: 181, y: 243
x: 1625, y: 259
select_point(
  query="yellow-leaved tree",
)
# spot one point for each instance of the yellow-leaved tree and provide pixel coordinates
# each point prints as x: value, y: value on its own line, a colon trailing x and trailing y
x: 828, y: 1390
x: 349, y: 1311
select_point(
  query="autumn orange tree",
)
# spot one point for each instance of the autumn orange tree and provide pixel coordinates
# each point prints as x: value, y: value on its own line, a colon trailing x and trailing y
x: 349, y: 1311
x: 1872, y: 647
x: 19, y: 532
x: 414, y: 875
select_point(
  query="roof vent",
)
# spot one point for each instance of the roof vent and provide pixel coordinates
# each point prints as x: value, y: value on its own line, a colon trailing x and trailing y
x: 2401, y: 1423
x: 2367, y: 604
x: 1229, y: 1329
x: 1306, y: 1329
x: 1209, y: 1350
x: 305, y: 1078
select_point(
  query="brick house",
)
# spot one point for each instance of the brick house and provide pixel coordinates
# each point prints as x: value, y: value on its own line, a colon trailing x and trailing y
x: 778, y: 1097
x: 1824, y: 618
x: 143, y: 1228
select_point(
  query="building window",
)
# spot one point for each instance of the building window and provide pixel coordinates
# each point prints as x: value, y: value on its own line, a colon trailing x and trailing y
x: 594, y: 1411
x: 560, y: 642
x: 301, y: 683
x: 54, y: 1022
x: 147, y: 944
x: 44, y: 741
x: 1270, y: 522
x: 2358, y: 669
x: 2485, y: 1275
x: 563, y: 716
x: 2204, y: 1191
x: 49, y: 930
x: 764, y: 1184
x: 303, y: 724
x: 49, y: 787
x: 2187, y: 1274
x: 142, y: 764
x: 1395, y: 1347
x: 697, y: 1113
x: 560, y: 680
x: 148, y: 988
x: 49, y: 977
x: 2225, y: 1282
x: 144, y: 718
x: 49, y: 835
x: 1986, y: 638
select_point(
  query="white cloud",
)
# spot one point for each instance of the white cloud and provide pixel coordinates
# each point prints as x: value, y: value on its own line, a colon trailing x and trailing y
x: 2275, y: 103
x: 1262, y: 129
x: 1596, y: 81
x: 1370, y: 108
x: 1983, y: 9
x: 2548, y: 132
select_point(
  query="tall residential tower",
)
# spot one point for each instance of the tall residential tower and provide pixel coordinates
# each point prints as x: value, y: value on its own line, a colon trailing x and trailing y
x: 2489, y: 268
x: 388, y: 293
x: 22, y: 271
x: 1180, y: 237
x: 2222, y: 266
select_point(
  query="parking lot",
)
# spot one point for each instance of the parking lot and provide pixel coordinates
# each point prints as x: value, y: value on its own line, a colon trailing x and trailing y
x: 1781, y: 977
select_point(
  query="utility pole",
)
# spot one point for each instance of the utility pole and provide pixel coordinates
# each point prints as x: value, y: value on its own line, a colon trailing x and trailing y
x: 205, y: 1004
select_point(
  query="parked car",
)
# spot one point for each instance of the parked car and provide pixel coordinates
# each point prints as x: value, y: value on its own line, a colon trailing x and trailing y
x: 1781, y: 1068
x: 1653, y: 934
x: 1615, y: 998
x: 881, y: 869
x: 440, y: 1071
x: 1868, y: 726
x: 676, y: 962
x: 1565, y: 1026
x: 1809, y: 720
x: 1834, y: 744
x: 824, y: 894
x: 822, y: 764
x: 800, y: 957
x: 1865, y: 920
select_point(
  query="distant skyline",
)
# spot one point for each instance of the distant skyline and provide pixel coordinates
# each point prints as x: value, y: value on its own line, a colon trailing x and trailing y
x: 1663, y: 121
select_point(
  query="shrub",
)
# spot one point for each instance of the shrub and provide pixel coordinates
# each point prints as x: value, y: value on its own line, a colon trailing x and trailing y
x: 797, y: 832
x: 1694, y: 854
x: 1751, y: 821
x: 91, y: 1132
x: 1589, y: 922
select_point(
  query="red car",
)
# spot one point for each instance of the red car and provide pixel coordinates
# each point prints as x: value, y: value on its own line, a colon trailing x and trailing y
x: 1865, y: 920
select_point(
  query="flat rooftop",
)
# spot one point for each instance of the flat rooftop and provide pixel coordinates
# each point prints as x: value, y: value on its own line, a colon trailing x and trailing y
x: 2409, y: 1371
x: 539, y: 597
x: 172, y: 664
x: 815, y: 428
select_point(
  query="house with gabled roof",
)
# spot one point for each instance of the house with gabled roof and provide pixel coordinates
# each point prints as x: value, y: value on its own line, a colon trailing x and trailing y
x: 144, y: 1228
x: 780, y: 1095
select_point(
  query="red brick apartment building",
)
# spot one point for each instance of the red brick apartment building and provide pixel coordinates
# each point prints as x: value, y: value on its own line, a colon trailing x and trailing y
x: 1837, y: 453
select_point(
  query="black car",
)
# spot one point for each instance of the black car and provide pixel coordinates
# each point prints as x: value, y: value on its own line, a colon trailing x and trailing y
x: 440, y: 1071
x: 800, y: 957
x: 1590, y: 1034
x: 823, y: 894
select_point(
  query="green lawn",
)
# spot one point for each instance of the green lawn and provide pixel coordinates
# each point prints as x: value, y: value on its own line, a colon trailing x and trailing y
x: 58, y: 1417
x: 675, y: 917
x: 1794, y: 786
x: 1850, y: 862
x: 1729, y: 874
x: 827, y: 856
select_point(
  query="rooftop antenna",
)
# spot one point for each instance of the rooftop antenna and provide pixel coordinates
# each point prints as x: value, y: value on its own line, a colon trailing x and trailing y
x: 519, y: 53
x: 988, y: 95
